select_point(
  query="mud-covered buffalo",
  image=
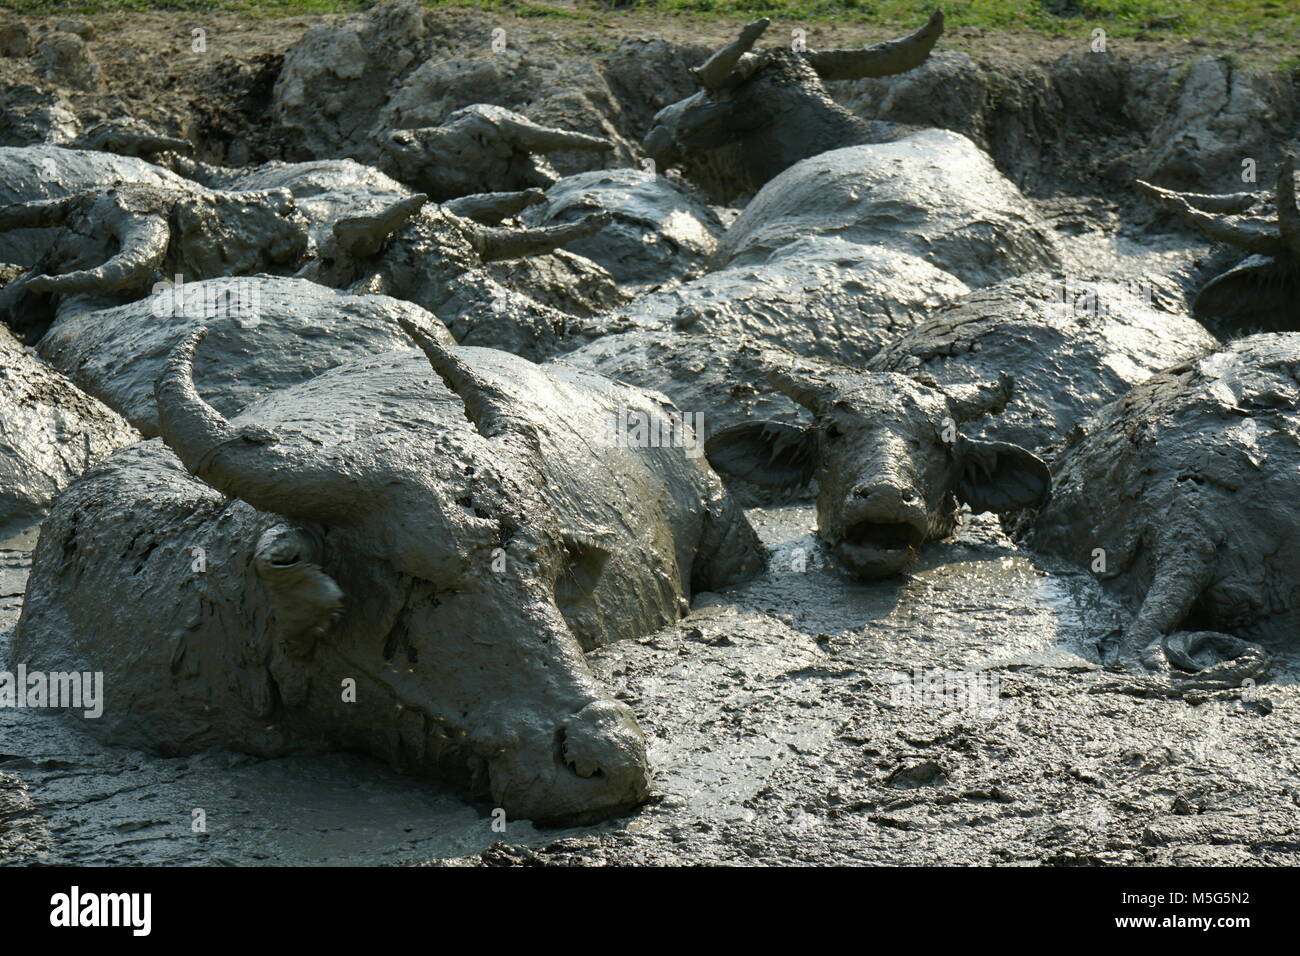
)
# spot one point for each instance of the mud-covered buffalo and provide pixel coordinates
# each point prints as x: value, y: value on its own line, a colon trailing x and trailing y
x: 438, y: 436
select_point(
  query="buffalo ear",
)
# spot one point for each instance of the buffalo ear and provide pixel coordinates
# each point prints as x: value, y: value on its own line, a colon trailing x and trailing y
x: 1000, y: 477
x: 305, y: 600
x: 768, y: 454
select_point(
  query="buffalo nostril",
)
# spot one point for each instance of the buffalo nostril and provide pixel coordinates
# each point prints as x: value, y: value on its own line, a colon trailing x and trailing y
x: 583, y: 765
x: 603, y: 742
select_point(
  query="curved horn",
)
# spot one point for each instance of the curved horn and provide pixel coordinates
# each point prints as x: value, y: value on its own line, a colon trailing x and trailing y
x: 143, y: 242
x: 245, y: 463
x: 129, y: 138
x: 39, y: 214
x: 714, y: 72
x: 493, y: 243
x: 535, y: 138
x: 486, y: 406
x: 363, y: 236
x: 1234, y: 233
x: 1288, y: 215
x: 490, y: 208
x: 883, y: 59
x: 1227, y: 204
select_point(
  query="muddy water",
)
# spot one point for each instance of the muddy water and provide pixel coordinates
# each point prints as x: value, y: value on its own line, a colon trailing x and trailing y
x: 789, y: 720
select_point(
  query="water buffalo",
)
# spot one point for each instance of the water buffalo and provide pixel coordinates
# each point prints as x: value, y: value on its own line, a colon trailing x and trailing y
x: 758, y: 114
x: 266, y: 333
x: 118, y: 240
x: 1069, y: 346
x: 1262, y: 291
x: 354, y: 211
x: 1181, y: 497
x: 933, y: 194
x: 890, y: 465
x: 331, y: 189
x: 335, y: 221
x: 324, y: 191
x: 357, y: 212
x: 49, y: 432
x: 657, y: 233
x: 392, y: 559
x: 706, y: 377
x: 699, y: 373
x: 478, y: 149
x: 426, y: 254
x: 33, y: 173
x: 820, y: 296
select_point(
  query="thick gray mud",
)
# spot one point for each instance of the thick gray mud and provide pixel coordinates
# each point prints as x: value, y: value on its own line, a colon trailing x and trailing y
x: 957, y: 715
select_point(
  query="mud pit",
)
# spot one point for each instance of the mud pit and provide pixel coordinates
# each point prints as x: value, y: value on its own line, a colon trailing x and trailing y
x: 779, y: 734
x: 960, y: 714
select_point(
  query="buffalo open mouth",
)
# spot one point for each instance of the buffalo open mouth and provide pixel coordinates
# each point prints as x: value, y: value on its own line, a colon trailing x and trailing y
x: 879, y: 549
x: 883, y: 536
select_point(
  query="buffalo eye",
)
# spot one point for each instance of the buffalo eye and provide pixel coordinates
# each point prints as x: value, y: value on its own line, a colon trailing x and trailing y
x: 833, y: 432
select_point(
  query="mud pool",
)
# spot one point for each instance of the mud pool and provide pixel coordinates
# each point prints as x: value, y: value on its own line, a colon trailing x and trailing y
x: 959, y: 714
x: 777, y: 734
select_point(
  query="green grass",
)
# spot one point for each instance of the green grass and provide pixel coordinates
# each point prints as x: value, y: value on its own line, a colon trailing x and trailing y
x: 286, y: 8
x: 1233, y: 21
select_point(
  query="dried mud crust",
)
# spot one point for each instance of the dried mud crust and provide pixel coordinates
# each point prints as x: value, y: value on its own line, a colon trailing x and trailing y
x: 1006, y: 90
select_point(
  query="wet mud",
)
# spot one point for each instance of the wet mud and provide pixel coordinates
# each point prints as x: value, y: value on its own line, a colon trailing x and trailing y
x: 787, y: 721
x: 962, y: 713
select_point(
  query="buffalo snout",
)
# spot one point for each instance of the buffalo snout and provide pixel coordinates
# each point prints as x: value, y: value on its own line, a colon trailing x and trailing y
x: 596, y: 766
x: 879, y: 528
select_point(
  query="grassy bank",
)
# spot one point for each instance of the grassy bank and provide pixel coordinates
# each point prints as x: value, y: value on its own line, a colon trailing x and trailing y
x: 1234, y: 21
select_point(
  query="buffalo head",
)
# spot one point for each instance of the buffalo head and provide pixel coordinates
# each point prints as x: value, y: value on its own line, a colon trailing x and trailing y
x: 420, y: 556
x: 890, y: 465
x: 121, y: 239
x: 479, y: 149
x: 1262, y: 291
x: 757, y: 114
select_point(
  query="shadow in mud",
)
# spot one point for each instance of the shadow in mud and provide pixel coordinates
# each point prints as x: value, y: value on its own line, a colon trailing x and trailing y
x: 958, y: 596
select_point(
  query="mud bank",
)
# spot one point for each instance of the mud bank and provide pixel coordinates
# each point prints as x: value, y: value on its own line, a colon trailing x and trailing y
x: 1054, y: 115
